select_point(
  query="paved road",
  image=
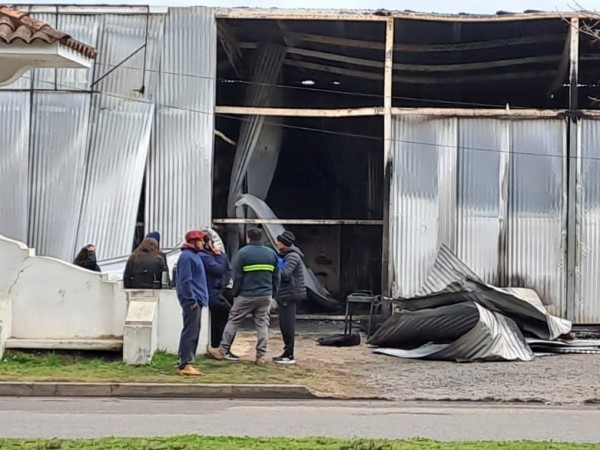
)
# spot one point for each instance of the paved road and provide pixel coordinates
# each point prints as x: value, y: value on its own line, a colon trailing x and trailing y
x: 76, y: 418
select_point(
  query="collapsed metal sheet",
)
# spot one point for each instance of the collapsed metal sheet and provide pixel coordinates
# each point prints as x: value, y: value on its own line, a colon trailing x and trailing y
x: 262, y: 211
x: 493, y: 338
x: 450, y: 275
x: 441, y: 315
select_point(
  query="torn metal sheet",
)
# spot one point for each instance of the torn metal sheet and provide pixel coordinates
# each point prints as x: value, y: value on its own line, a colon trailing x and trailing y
x: 267, y: 66
x: 452, y: 281
x: 262, y: 211
x: 443, y: 314
x: 490, y: 337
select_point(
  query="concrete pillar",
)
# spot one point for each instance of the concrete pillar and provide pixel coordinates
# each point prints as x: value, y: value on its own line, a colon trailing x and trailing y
x: 140, y: 333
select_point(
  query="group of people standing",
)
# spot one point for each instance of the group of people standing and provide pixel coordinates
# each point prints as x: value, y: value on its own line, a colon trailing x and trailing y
x: 201, y: 279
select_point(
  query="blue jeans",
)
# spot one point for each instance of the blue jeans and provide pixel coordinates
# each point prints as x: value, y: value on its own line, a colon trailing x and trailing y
x: 190, y: 334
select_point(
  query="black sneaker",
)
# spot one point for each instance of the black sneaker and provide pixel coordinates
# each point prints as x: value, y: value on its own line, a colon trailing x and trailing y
x: 231, y: 357
x: 284, y: 360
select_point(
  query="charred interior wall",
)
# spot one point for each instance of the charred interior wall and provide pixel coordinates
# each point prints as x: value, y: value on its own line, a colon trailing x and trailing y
x: 332, y: 168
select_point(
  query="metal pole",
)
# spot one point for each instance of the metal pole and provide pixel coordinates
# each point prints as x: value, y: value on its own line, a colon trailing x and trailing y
x: 387, y: 267
x: 572, y: 162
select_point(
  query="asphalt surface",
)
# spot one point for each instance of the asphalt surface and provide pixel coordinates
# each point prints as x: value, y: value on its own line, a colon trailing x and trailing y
x: 89, y: 418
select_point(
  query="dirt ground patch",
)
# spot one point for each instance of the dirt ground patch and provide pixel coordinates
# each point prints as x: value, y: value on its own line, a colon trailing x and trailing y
x: 357, y: 372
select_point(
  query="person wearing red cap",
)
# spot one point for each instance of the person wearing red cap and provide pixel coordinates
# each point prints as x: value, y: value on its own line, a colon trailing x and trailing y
x: 192, y: 292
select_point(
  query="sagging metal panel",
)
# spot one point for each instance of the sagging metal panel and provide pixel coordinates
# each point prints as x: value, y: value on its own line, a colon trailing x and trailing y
x: 59, y: 136
x: 179, y: 173
x: 267, y: 67
x: 536, y: 251
x: 119, y: 142
x: 482, y: 167
x: 14, y: 164
x: 122, y: 42
x: 423, y: 149
x: 587, y: 295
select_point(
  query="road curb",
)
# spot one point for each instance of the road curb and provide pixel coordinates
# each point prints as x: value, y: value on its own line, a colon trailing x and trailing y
x: 155, y: 390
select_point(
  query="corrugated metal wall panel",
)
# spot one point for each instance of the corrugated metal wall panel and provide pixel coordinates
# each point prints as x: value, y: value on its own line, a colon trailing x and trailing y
x: 14, y: 163
x: 84, y: 28
x: 587, y: 295
x: 122, y: 36
x: 120, y: 138
x: 179, y: 174
x: 481, y: 165
x: 45, y: 78
x: 537, y: 214
x: 57, y: 155
x: 415, y: 197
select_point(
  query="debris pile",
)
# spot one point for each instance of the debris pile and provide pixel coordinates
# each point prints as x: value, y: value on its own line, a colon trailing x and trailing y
x: 458, y: 317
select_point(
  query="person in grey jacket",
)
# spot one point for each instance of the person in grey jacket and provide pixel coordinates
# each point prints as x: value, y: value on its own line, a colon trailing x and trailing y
x: 292, y: 290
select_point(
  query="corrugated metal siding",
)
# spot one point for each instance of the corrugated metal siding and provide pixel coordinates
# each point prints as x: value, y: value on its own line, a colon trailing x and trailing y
x: 422, y: 147
x: 58, y: 144
x: 179, y: 174
x: 45, y: 78
x: 508, y: 230
x: 484, y: 146
x: 115, y: 171
x: 14, y: 163
x: 587, y: 296
x: 122, y: 36
x: 537, y: 220
x: 84, y: 28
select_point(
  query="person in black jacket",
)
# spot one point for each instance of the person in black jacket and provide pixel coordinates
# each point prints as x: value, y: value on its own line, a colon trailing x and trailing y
x: 255, y: 283
x: 86, y: 258
x: 145, y: 267
x: 156, y: 236
x: 292, y: 289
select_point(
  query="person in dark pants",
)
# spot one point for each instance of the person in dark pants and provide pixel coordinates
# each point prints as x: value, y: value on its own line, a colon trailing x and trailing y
x: 156, y: 235
x: 255, y: 283
x: 86, y: 258
x: 145, y: 267
x: 292, y: 290
x: 218, y: 274
x: 192, y: 293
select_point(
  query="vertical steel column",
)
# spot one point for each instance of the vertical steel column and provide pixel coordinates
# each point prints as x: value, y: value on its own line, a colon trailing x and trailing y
x: 572, y: 163
x: 387, y: 269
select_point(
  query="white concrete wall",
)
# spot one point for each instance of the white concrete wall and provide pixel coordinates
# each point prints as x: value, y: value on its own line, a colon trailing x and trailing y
x: 53, y: 299
x: 170, y: 322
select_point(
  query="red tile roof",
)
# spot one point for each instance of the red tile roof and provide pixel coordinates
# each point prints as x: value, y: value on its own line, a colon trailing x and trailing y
x: 16, y: 25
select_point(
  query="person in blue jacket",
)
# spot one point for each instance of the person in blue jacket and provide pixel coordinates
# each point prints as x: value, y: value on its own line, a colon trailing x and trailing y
x: 218, y: 274
x: 192, y: 293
